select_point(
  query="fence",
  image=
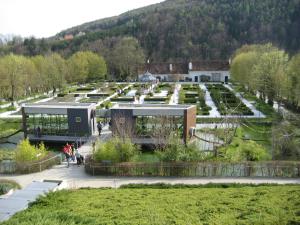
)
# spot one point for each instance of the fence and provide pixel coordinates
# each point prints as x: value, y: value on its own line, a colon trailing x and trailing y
x: 198, y: 169
x: 11, y: 167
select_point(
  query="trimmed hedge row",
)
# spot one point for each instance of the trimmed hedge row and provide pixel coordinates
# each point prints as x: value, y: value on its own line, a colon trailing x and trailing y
x: 122, y: 99
x: 226, y: 101
x: 155, y: 99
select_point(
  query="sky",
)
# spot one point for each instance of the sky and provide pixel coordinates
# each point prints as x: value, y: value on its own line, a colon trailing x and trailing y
x: 44, y: 18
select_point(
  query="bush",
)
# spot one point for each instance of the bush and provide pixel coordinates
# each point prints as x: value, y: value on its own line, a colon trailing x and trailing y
x: 122, y: 99
x: 190, y: 100
x: 25, y: 152
x: 155, y: 99
x: 176, y: 151
x: 115, y: 150
x: 61, y: 95
x: 242, y: 150
x: 6, y: 185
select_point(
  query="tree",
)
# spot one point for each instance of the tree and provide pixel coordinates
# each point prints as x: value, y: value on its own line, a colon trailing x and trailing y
x: 85, y: 66
x: 293, y: 86
x: 12, y: 76
x: 242, y: 69
x: 270, y: 74
x: 56, y: 71
x: 97, y: 67
x: 125, y: 58
x: 41, y: 66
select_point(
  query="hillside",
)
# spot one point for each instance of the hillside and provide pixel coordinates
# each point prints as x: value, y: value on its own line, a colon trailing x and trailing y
x: 183, y: 29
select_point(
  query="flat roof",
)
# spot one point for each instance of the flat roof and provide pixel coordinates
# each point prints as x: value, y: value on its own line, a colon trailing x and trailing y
x: 151, y: 106
x: 154, y: 109
x: 65, y: 105
x: 55, y: 108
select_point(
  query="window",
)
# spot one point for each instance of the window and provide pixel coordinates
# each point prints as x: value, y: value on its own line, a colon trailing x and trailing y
x: 78, y: 119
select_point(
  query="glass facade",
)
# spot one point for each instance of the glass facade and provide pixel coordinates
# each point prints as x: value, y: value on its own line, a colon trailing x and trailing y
x: 44, y: 124
x: 149, y: 125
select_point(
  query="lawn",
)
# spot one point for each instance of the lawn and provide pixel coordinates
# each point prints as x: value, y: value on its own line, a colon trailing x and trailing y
x: 9, y: 126
x: 141, y: 205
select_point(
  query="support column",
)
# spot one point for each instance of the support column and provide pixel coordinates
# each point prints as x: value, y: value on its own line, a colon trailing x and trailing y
x: 24, y: 122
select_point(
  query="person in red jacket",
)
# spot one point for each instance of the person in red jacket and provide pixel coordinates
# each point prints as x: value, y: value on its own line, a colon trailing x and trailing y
x: 67, y: 152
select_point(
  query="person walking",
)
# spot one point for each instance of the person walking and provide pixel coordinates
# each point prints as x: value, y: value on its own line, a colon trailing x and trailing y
x: 73, y: 152
x: 99, y: 126
x: 67, y: 152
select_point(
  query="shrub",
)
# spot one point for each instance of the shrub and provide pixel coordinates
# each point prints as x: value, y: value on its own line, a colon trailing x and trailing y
x: 190, y: 100
x: 6, y: 185
x: 25, y: 152
x: 175, y: 151
x: 115, y: 150
x: 155, y: 99
x: 242, y: 150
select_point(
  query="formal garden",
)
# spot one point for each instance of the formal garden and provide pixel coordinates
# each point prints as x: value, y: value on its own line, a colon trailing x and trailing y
x: 161, y: 94
x: 192, y: 94
x: 227, y: 102
x: 167, y: 204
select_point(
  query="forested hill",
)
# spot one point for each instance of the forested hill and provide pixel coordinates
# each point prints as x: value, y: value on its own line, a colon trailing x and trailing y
x: 198, y: 29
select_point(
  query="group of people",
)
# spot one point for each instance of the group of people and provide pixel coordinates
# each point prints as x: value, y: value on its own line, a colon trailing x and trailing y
x: 72, y: 153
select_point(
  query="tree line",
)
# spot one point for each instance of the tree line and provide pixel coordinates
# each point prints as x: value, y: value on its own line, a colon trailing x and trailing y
x: 24, y: 75
x: 269, y: 71
x: 121, y: 54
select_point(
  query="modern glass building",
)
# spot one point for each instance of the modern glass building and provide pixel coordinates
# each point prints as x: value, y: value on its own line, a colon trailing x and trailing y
x: 152, y: 123
x: 59, y: 122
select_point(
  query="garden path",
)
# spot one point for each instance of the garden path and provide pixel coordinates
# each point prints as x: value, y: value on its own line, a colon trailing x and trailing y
x: 213, y: 113
x: 112, y: 96
x: 175, y: 97
x: 257, y: 114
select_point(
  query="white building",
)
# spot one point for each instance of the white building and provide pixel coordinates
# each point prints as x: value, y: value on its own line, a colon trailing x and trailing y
x: 196, y: 71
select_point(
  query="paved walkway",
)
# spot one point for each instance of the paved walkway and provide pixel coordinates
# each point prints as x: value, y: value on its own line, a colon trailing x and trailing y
x: 75, y: 177
x: 213, y: 113
x: 257, y: 114
x: 174, y: 100
x: 20, y: 199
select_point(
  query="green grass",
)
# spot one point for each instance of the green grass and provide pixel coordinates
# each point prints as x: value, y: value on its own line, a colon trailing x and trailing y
x: 9, y: 126
x: 146, y: 157
x: 7, y: 109
x: 193, y: 206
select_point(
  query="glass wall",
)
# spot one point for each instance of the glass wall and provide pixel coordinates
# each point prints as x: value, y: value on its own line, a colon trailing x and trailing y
x: 44, y: 124
x: 159, y: 125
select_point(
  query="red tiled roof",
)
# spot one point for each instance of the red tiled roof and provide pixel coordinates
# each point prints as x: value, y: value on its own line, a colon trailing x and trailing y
x: 183, y: 68
x: 210, y: 66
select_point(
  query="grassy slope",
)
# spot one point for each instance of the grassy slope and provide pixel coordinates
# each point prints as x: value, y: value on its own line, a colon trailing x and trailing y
x: 246, y: 205
x: 9, y: 126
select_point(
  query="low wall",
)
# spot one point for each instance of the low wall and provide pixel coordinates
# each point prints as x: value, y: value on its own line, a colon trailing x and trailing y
x: 198, y: 169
